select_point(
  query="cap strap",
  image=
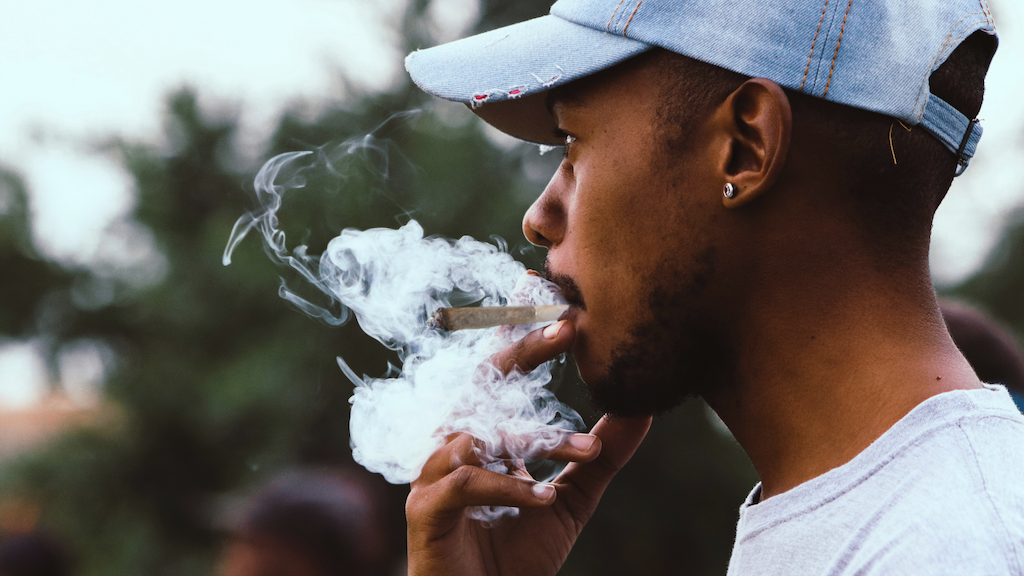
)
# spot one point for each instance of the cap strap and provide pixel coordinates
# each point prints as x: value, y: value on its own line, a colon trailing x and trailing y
x: 953, y: 129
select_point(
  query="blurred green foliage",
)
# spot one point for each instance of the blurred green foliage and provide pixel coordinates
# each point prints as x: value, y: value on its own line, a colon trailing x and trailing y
x: 218, y: 383
x: 998, y: 288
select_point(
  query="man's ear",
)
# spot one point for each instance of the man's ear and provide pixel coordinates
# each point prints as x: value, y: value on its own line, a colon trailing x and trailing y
x: 757, y: 121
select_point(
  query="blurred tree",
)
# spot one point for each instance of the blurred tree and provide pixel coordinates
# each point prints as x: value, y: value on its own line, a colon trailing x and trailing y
x: 999, y: 286
x: 219, y: 383
x: 29, y: 280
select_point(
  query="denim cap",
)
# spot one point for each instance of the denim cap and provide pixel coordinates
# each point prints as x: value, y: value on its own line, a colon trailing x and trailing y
x: 876, y: 55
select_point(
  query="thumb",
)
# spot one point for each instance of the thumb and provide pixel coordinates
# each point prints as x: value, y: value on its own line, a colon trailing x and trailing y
x: 620, y: 438
x: 536, y: 348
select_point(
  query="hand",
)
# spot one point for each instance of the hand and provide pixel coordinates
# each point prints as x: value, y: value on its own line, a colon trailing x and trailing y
x: 444, y: 541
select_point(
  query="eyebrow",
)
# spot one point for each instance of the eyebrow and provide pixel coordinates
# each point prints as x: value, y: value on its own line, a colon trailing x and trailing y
x: 566, y: 95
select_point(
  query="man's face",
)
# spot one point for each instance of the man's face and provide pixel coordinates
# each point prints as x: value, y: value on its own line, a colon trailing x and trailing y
x: 629, y: 228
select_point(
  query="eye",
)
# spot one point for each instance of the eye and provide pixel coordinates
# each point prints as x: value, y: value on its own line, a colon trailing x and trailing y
x: 569, y: 140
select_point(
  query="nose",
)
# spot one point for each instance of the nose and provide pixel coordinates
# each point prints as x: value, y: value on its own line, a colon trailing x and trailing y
x: 544, y: 222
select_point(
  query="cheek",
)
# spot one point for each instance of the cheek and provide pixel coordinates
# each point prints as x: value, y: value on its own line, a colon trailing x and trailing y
x: 621, y: 227
x: 610, y: 265
x: 602, y: 244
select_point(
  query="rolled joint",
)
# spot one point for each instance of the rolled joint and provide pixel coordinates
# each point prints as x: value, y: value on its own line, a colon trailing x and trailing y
x: 451, y: 319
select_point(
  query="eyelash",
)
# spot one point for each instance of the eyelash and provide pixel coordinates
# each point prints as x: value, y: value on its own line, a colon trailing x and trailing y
x: 568, y: 138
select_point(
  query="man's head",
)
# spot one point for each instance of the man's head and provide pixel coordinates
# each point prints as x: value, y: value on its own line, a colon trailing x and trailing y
x: 674, y: 246
x: 629, y: 238
x: 991, y: 349
x: 306, y: 523
x: 664, y: 269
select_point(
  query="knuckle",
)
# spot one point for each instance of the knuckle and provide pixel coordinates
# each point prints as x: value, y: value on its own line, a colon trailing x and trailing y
x: 451, y: 437
x: 455, y: 462
x: 461, y: 479
x: 466, y: 449
x: 521, y: 345
x: 418, y: 504
x: 412, y: 505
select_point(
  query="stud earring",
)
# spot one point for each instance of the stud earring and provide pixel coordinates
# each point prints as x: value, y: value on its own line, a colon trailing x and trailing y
x: 729, y: 191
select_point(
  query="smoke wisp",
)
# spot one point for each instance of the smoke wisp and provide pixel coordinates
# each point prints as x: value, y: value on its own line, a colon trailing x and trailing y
x: 391, y: 281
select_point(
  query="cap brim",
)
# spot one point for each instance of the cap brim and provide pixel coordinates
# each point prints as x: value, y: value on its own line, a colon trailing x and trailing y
x: 504, y: 74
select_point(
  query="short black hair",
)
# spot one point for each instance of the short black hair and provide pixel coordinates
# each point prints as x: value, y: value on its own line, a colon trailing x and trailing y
x: 690, y: 89
x: 899, y: 176
x: 329, y: 516
x: 894, y: 201
x: 35, y: 554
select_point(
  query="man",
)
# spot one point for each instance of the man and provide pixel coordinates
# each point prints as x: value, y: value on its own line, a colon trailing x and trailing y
x: 743, y: 213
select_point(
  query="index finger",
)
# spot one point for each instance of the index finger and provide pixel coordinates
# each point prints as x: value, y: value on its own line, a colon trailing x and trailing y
x: 536, y: 348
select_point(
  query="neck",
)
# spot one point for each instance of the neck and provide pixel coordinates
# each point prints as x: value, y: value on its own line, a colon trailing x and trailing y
x: 828, y: 365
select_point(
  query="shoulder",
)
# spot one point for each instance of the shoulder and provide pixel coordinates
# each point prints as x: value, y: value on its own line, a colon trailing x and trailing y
x: 927, y: 548
x: 995, y: 460
x: 966, y: 513
x: 940, y: 493
x: 991, y: 446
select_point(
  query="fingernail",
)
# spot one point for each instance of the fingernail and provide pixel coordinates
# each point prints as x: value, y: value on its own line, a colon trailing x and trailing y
x: 543, y: 491
x: 582, y: 442
x: 551, y: 332
x: 533, y: 273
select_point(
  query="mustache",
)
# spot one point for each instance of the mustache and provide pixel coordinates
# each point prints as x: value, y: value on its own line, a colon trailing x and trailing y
x: 567, y: 286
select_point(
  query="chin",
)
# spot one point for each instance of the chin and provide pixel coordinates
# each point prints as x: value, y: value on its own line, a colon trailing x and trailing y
x: 587, y: 375
x: 593, y: 356
x: 585, y: 368
x: 589, y: 366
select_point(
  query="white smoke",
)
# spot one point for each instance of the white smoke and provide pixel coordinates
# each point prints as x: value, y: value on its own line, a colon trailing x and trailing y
x: 392, y: 280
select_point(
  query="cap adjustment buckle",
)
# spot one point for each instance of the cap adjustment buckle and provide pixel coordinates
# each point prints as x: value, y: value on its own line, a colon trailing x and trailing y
x: 953, y: 129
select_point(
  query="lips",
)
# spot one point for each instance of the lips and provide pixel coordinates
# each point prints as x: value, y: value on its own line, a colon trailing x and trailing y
x: 570, y: 314
x: 569, y: 289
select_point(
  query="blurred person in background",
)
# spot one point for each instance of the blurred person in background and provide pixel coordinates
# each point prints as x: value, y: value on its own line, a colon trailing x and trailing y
x: 25, y: 548
x: 34, y: 554
x: 307, y: 523
x: 991, y: 349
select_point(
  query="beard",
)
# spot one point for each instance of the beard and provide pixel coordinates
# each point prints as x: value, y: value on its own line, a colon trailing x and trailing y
x: 675, y: 354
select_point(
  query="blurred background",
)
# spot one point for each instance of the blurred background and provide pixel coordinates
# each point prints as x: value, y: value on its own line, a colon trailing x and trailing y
x: 163, y: 414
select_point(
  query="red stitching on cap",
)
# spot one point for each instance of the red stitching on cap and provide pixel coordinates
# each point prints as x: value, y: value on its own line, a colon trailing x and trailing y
x: 609, y: 26
x: 836, y: 53
x: 478, y: 99
x: 481, y: 98
x: 813, y: 43
x: 556, y: 77
x: 639, y: 2
x: 518, y: 92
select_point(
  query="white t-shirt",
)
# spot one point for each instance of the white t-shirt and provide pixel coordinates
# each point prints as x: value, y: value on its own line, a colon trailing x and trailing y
x: 941, y: 492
